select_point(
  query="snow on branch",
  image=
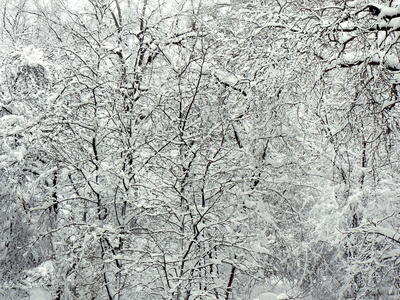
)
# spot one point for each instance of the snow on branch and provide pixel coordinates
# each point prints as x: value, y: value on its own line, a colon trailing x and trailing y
x: 382, y: 12
x: 224, y: 77
x: 386, y: 232
x: 391, y: 26
x: 389, y: 61
x: 388, y: 19
x: 373, y: 228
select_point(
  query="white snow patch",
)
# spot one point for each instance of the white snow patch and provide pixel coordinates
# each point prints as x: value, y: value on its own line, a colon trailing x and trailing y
x: 387, y: 103
x: 387, y: 12
x: 20, y: 153
x: 349, y: 57
x: 31, y: 56
x: 10, y: 120
x: 39, y: 294
x: 394, y: 24
x: 396, y: 78
x: 222, y: 75
x: 380, y: 57
x: 391, y: 254
x: 226, y: 77
x: 272, y: 296
x: 260, y: 249
x: 390, y: 233
x: 46, y: 269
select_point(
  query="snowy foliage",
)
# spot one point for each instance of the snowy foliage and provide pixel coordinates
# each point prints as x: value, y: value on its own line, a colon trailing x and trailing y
x: 200, y: 150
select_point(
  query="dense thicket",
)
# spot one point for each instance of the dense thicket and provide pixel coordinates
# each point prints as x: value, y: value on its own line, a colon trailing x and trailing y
x: 199, y: 150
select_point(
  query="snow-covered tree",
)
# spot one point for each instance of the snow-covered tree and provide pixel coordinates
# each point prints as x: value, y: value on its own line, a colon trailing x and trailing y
x: 200, y: 150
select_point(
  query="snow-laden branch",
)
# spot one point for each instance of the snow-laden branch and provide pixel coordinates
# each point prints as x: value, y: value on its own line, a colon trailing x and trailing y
x: 386, y: 232
x: 389, y: 61
x: 388, y: 19
x: 382, y: 12
x: 374, y: 228
x: 226, y: 78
